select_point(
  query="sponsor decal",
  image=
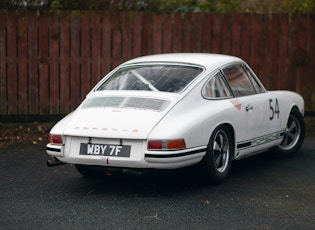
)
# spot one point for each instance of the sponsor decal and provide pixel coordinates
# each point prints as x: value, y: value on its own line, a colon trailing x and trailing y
x: 237, y: 104
x: 260, y: 140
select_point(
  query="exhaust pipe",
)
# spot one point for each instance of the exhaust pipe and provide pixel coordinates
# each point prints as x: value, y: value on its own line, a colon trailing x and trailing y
x: 54, y: 162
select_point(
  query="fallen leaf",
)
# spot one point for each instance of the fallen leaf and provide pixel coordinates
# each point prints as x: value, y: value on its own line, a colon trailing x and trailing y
x: 206, y: 202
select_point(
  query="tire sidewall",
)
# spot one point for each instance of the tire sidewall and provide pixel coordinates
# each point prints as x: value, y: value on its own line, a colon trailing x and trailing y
x: 211, y: 172
x: 281, y: 152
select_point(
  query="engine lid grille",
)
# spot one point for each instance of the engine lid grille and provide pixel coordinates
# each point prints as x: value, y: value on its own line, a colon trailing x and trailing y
x: 126, y: 102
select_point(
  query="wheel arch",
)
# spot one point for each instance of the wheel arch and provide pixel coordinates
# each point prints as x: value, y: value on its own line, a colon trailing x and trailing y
x: 287, y: 149
x: 231, y: 130
x: 212, y: 170
x: 296, y: 107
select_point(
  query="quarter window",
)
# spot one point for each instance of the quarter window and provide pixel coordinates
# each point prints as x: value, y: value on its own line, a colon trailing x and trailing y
x: 216, y: 88
x: 257, y: 86
x: 239, y: 81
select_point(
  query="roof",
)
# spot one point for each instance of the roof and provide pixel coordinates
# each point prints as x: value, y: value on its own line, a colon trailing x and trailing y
x: 207, y: 60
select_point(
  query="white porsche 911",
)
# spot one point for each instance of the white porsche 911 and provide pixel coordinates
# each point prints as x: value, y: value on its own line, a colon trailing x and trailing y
x: 170, y: 111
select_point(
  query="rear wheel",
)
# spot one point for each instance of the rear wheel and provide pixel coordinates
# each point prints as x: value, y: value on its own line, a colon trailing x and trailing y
x: 217, y: 161
x: 293, y: 137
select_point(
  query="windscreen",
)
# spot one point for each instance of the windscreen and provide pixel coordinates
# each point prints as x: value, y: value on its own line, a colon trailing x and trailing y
x: 164, y: 78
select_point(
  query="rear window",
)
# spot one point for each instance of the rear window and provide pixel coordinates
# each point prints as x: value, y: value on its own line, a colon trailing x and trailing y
x: 164, y: 78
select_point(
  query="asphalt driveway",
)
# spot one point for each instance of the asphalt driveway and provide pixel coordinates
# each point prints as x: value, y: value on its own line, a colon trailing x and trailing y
x: 262, y: 193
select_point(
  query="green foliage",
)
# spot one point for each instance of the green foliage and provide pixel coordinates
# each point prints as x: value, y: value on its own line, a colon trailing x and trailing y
x: 305, y: 6
x: 278, y: 6
x: 221, y: 6
x: 218, y: 6
x: 114, y: 5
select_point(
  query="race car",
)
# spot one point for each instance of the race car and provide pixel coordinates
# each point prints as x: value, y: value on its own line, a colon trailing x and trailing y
x: 170, y: 111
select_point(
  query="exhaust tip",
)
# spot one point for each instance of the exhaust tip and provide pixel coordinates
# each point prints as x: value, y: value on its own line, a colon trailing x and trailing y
x: 54, y: 162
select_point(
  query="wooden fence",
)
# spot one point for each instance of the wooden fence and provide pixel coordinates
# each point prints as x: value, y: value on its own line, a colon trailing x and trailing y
x: 50, y: 60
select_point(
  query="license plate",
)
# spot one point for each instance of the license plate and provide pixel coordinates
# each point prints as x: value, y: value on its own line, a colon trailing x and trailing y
x: 105, y: 150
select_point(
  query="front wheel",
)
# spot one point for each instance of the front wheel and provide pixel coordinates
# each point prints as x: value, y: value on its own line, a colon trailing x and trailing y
x: 293, y: 137
x: 217, y: 161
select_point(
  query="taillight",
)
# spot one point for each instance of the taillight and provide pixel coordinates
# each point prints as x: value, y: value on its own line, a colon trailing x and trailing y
x: 176, y: 144
x: 55, y: 139
x: 166, y: 144
x: 155, y: 144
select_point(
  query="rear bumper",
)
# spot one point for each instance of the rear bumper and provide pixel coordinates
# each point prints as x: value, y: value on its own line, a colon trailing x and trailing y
x: 54, y: 150
x: 141, y: 159
x: 174, y: 159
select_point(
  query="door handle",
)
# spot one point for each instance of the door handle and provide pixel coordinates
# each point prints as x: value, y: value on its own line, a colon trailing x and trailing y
x: 249, y: 107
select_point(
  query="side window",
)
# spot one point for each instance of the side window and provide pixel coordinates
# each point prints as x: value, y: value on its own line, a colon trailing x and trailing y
x: 239, y: 81
x: 216, y: 88
x: 256, y: 84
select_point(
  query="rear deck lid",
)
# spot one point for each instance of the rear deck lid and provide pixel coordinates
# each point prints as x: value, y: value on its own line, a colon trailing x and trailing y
x: 118, y: 116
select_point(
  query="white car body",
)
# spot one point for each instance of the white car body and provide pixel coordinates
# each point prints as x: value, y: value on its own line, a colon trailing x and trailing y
x: 257, y: 122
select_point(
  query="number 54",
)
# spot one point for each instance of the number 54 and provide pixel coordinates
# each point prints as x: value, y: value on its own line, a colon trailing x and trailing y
x: 274, y: 107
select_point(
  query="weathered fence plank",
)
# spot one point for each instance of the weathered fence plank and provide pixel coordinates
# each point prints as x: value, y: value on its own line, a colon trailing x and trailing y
x: 254, y: 46
x: 283, y: 52
x: 226, y: 35
x: 216, y: 33
x: 293, y: 38
x: 167, y: 33
x: 157, y: 34
x: 86, y: 82
x: 116, y: 43
x: 106, y: 45
x: 187, y: 40
x: 264, y: 47
x: 65, y: 84
x: 12, y: 64
x: 54, y: 73
x: 95, y: 47
x: 22, y: 76
x: 127, y: 36
x: 207, y: 27
x: 33, y: 88
x: 44, y: 85
x: 236, y: 35
x: 197, y: 32
x: 177, y: 33
x: 50, y: 60
x: 75, y: 94
x: 3, y: 69
x: 301, y: 54
x: 274, y: 47
x: 246, y: 37
x: 309, y: 86
x: 137, y: 35
x: 147, y: 34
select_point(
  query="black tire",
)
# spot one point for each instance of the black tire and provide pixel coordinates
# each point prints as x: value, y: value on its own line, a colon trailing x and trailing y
x: 293, y: 137
x: 218, y: 159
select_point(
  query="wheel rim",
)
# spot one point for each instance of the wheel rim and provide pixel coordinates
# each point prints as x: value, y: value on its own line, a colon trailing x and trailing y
x: 221, y: 151
x: 292, y: 134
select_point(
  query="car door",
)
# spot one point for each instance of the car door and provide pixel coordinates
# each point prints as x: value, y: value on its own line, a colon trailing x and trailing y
x: 267, y: 102
x: 258, y: 109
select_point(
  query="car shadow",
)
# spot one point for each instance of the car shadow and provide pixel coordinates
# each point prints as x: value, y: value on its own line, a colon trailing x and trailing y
x: 174, y: 181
